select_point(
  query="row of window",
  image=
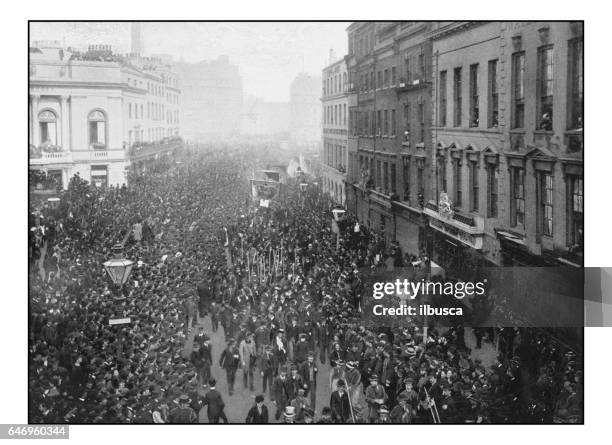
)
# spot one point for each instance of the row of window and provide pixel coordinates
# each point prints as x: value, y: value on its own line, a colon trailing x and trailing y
x: 155, y: 89
x: 544, y: 91
x: 153, y: 134
x: 334, y: 114
x: 334, y: 84
x: 492, y: 118
x: 384, y: 122
x: 335, y: 156
x: 96, y: 126
x: 383, y: 177
x: 544, y: 203
x: 155, y: 112
x: 414, y: 69
x: 335, y: 189
x: 97, y: 129
x: 362, y: 44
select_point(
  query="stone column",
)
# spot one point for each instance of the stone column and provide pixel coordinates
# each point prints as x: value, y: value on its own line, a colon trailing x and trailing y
x: 65, y: 121
x: 35, y: 124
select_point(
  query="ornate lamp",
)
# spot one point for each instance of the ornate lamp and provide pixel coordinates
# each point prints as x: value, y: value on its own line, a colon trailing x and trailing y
x: 119, y: 268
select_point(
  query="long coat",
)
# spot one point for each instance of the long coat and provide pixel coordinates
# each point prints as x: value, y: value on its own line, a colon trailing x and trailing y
x: 215, y: 403
x: 281, y: 392
x: 340, y: 407
x: 255, y: 417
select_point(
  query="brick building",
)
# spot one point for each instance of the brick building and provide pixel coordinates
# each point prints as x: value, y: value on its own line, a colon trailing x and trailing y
x: 389, y: 132
x: 465, y: 139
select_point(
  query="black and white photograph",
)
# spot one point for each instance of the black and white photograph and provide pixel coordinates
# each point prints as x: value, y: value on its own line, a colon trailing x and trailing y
x: 251, y: 217
x: 203, y: 236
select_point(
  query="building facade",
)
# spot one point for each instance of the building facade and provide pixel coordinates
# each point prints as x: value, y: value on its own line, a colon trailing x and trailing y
x: 334, y: 154
x: 212, y: 98
x: 465, y: 139
x: 98, y: 114
x: 389, y: 128
x: 508, y: 144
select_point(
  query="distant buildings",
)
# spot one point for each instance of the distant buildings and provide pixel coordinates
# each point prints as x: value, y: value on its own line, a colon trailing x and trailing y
x: 305, y: 112
x: 334, y: 154
x: 137, y: 40
x: 98, y: 114
x: 212, y: 98
x: 262, y: 118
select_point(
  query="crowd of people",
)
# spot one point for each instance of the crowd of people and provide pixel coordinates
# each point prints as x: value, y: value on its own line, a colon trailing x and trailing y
x: 286, y: 292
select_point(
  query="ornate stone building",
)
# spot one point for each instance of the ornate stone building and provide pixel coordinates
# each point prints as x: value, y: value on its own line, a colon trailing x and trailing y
x: 98, y: 114
x: 508, y: 143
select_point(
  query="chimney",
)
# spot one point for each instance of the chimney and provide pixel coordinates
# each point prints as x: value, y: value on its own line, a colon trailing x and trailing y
x: 137, y: 40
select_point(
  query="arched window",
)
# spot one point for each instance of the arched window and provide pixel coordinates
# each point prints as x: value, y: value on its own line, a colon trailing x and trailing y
x: 97, y: 129
x: 48, y: 127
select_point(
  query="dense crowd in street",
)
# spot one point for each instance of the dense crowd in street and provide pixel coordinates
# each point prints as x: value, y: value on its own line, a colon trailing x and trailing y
x: 285, y: 291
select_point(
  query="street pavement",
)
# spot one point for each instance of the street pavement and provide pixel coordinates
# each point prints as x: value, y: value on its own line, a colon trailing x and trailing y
x: 237, y: 406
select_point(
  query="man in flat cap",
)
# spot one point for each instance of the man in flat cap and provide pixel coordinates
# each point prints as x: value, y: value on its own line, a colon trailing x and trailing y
x: 375, y: 398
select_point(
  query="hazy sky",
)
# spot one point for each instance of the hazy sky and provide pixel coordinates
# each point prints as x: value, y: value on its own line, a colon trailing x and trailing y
x: 269, y: 55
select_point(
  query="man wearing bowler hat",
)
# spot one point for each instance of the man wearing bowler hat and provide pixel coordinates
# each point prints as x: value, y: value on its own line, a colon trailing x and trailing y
x: 340, y: 404
x: 258, y: 412
x: 183, y: 413
x: 215, y: 404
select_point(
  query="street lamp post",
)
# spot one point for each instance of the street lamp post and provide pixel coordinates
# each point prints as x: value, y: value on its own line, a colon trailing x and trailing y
x: 119, y: 269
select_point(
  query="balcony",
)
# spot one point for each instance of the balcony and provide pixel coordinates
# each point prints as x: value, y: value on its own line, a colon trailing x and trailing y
x: 143, y: 150
x: 115, y: 154
x: 48, y: 154
x: 465, y: 228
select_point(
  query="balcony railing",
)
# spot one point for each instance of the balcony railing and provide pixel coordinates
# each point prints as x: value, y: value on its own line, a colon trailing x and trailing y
x: 431, y: 206
x: 144, y: 148
x: 463, y: 219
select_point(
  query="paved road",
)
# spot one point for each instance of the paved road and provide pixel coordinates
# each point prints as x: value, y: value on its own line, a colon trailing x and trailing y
x: 238, y: 405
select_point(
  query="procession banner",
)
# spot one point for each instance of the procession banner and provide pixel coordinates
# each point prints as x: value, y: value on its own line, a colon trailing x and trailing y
x: 115, y: 321
x: 265, y: 190
x: 268, y: 175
